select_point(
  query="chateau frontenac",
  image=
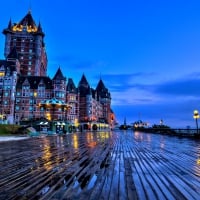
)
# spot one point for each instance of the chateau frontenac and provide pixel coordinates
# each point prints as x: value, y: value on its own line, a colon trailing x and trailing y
x: 28, y: 95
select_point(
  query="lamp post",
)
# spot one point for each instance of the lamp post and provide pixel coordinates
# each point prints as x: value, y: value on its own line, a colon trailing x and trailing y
x: 196, y: 116
x: 34, y: 95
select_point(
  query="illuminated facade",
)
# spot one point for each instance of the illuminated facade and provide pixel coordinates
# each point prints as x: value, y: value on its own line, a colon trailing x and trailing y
x: 73, y: 100
x: 8, y: 80
x: 26, y: 91
x: 94, y: 104
x: 30, y: 91
x: 28, y: 39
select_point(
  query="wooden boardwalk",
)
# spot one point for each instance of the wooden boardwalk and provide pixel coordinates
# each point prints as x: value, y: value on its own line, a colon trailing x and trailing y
x: 117, y: 165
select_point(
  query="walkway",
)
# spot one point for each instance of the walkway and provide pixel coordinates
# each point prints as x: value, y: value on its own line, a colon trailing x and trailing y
x: 118, y: 165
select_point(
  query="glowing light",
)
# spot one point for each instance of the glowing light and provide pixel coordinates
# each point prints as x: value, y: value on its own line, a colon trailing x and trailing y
x: 48, y: 116
x: 2, y: 73
x: 29, y: 29
x: 35, y: 94
x: 196, y: 114
x: 76, y: 122
x: 92, y: 144
x: 47, y: 155
x: 75, y: 141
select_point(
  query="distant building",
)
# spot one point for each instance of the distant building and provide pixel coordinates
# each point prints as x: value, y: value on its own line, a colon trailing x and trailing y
x: 27, y: 93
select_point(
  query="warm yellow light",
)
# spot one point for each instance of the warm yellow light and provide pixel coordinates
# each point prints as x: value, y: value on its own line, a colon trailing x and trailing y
x: 35, y: 94
x: 76, y: 122
x: 75, y: 141
x: 92, y: 144
x: 2, y: 73
x: 17, y: 27
x: 47, y: 155
x: 196, y: 114
x: 29, y: 29
x: 48, y: 116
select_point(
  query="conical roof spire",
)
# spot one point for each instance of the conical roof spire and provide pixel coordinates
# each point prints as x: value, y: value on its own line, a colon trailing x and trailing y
x: 100, y: 86
x: 39, y: 29
x: 10, y: 25
x: 28, y: 20
x: 59, y: 75
x: 27, y: 23
x: 102, y: 91
x: 83, y: 82
x: 9, y: 28
x: 71, y: 86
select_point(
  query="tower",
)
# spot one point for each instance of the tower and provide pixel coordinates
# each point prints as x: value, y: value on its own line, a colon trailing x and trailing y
x: 59, y: 85
x: 73, y: 101
x: 28, y: 39
x: 84, y: 91
x: 105, y: 99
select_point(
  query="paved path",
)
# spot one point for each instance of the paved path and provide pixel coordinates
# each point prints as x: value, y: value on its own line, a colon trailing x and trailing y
x: 9, y: 138
x: 117, y: 165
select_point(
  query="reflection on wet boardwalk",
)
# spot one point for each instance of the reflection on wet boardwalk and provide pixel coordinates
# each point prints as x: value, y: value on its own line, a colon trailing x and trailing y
x: 102, y: 165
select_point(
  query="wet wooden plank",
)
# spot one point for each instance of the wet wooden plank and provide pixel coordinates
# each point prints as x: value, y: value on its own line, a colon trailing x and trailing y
x: 120, y: 165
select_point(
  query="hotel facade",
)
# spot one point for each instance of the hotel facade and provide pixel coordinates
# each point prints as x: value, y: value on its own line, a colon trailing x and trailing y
x: 27, y: 94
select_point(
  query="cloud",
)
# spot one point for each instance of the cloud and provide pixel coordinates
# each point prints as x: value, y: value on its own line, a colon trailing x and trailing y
x: 132, y: 89
x: 172, y: 113
x: 126, y: 89
x: 174, y: 101
x: 180, y: 87
x: 124, y: 82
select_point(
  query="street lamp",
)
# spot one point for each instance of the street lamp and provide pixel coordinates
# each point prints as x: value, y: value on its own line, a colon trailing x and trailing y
x: 34, y: 95
x: 196, y: 116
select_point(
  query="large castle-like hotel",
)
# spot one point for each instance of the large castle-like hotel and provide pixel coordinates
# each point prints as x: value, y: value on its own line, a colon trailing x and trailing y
x: 28, y: 94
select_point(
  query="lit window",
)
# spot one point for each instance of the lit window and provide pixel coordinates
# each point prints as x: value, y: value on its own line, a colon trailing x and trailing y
x: 17, y: 108
x: 2, y: 74
x: 6, y: 94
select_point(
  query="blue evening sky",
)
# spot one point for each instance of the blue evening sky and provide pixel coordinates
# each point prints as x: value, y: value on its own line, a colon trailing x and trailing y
x: 146, y: 52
